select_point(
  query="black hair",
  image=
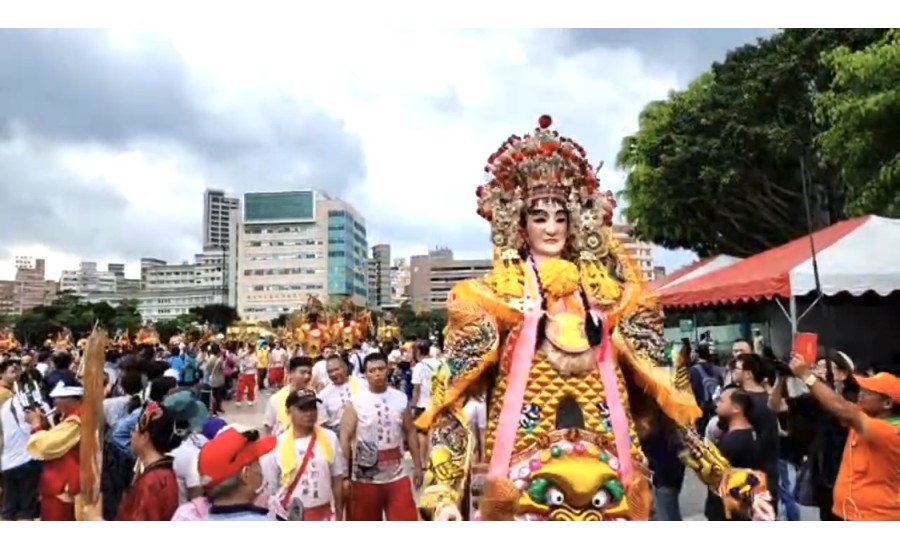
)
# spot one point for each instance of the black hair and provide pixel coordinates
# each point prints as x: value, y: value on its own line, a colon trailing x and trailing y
x: 157, y: 369
x: 161, y: 387
x: 4, y: 366
x: 297, y: 362
x: 132, y: 382
x: 755, y: 365
x: 742, y: 341
x: 704, y: 353
x: 372, y: 357
x: 164, y: 432
x: 423, y: 347
x: 62, y: 360
x: 740, y: 398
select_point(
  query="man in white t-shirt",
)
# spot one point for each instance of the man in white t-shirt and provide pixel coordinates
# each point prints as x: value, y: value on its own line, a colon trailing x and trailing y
x: 316, y: 480
x: 21, y: 473
x: 337, y: 394
x: 275, y: 417
x: 184, y: 464
x: 320, y: 371
x: 422, y: 373
x: 373, y: 429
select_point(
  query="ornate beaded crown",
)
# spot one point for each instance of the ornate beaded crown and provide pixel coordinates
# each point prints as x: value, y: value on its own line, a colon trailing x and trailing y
x: 544, y: 166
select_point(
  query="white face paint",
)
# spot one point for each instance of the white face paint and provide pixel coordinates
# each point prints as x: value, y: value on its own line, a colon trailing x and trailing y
x: 546, y: 229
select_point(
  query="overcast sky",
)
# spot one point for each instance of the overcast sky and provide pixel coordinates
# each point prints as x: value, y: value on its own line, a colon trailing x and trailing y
x: 108, y: 139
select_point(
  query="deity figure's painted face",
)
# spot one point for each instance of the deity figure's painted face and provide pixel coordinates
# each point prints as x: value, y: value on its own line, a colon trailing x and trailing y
x: 546, y: 229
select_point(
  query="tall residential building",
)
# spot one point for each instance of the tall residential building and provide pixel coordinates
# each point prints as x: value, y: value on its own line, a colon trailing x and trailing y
x: 88, y: 279
x: 432, y: 277
x: 218, y: 211
x: 290, y: 244
x: 379, y: 277
x: 29, y: 289
x: 641, y: 252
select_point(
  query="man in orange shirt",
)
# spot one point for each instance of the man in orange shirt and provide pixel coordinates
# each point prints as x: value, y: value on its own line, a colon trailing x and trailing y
x: 868, y: 483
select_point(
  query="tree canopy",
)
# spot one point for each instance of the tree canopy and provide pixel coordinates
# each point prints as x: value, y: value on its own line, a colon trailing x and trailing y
x: 860, y: 113
x: 70, y: 311
x: 720, y: 167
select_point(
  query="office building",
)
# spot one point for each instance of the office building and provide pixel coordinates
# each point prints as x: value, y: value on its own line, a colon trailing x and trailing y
x: 169, y: 290
x: 379, y: 277
x: 641, y: 252
x: 432, y: 276
x: 288, y: 245
x: 88, y: 279
x: 218, y: 211
x: 29, y: 289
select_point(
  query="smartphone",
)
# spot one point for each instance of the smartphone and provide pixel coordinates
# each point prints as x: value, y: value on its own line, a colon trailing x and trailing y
x: 806, y: 345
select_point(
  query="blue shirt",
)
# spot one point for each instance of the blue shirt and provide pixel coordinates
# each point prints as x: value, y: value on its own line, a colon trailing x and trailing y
x: 121, y: 434
x: 177, y: 364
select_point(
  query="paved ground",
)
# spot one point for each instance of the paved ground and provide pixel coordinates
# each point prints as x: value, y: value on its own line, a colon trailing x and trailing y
x: 693, y: 495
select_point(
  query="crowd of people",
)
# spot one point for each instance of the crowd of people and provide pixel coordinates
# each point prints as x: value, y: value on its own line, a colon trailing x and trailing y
x: 827, y: 435
x: 333, y: 426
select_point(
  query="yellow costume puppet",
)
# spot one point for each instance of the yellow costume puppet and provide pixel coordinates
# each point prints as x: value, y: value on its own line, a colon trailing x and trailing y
x: 567, y: 341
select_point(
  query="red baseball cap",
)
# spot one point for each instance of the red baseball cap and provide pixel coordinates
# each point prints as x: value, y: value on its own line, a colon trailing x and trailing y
x: 882, y: 383
x: 228, y: 453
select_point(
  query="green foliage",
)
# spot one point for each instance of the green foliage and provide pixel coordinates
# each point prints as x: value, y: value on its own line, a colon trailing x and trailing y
x: 36, y: 325
x: 218, y: 316
x: 860, y: 112
x: 419, y: 326
x: 718, y: 167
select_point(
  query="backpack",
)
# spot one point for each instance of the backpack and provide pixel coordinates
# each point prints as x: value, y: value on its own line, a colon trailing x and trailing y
x: 190, y: 372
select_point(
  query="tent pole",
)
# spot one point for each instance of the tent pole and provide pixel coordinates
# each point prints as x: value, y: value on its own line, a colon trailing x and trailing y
x: 793, y: 316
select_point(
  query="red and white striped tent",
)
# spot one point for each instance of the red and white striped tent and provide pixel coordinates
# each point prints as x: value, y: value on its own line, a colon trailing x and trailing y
x: 854, y: 256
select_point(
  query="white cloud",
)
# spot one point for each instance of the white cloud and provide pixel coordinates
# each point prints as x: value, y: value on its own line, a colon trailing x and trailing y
x: 428, y: 106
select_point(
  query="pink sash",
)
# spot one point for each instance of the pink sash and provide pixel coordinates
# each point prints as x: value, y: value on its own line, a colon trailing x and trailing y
x: 517, y: 381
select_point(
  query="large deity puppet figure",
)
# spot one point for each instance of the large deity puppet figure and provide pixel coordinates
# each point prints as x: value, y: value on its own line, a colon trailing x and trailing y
x: 565, y: 342
x: 312, y: 331
x: 388, y: 332
x: 350, y: 329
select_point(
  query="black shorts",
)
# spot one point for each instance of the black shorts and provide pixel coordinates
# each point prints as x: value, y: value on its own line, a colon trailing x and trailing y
x: 20, y: 492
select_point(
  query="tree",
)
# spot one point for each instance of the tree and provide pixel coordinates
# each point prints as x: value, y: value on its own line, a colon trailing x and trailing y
x: 422, y: 325
x: 718, y: 168
x: 860, y: 112
x: 218, y: 316
x: 127, y: 316
x: 70, y: 311
x: 166, y: 329
x: 281, y: 320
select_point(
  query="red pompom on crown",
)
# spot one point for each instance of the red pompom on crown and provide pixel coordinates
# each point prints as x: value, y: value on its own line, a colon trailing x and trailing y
x: 545, y: 121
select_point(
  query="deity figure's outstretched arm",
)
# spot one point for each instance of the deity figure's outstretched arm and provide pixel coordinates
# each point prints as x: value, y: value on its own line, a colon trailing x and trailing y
x: 471, y: 346
x: 639, y: 338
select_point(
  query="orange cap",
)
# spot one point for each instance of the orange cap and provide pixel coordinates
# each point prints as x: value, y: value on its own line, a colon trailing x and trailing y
x: 883, y: 383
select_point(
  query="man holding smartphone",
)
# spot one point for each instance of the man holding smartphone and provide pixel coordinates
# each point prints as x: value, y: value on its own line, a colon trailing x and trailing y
x: 869, y: 478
